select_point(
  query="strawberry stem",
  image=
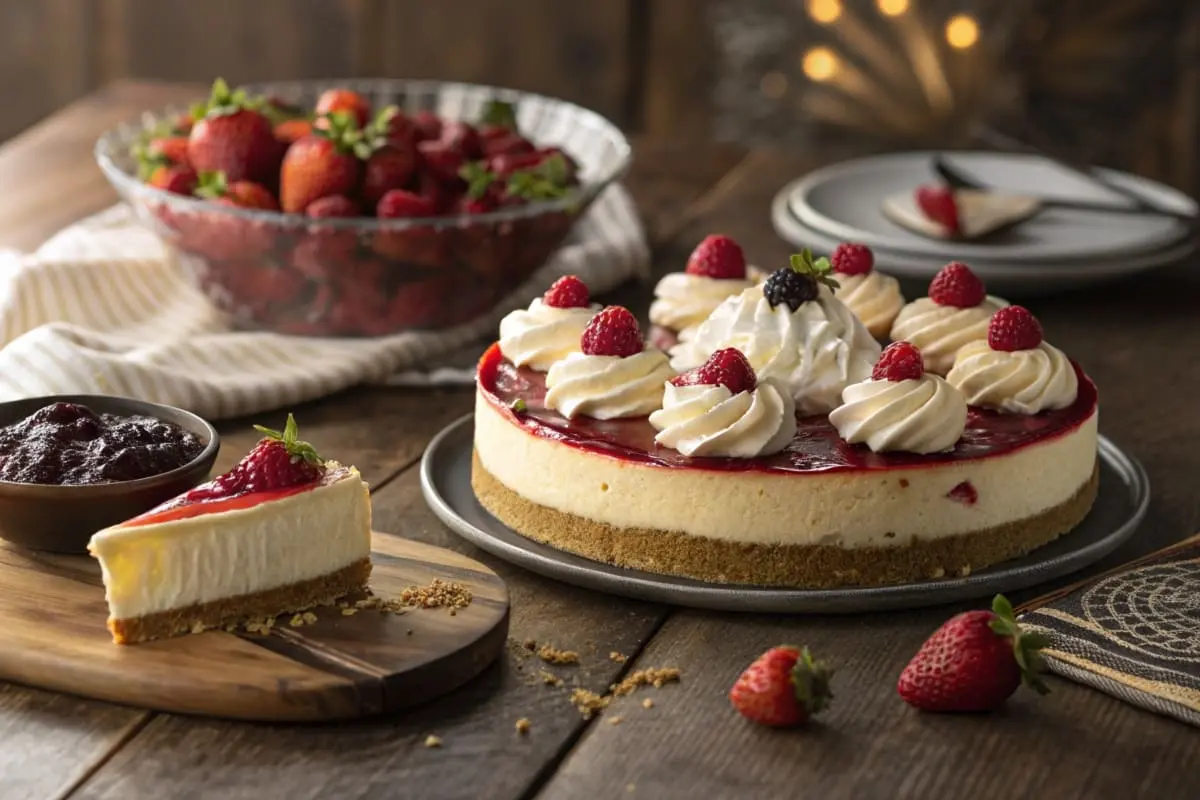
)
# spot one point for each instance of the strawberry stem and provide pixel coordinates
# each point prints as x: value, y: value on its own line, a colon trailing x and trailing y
x: 212, y: 185
x: 290, y: 436
x: 500, y: 114
x: 1026, y: 645
x: 811, y: 683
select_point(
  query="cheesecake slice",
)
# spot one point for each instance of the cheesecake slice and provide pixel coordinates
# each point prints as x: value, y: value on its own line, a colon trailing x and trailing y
x: 239, y: 546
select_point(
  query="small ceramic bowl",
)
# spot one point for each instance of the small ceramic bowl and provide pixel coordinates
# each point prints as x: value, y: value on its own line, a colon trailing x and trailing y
x: 61, y: 519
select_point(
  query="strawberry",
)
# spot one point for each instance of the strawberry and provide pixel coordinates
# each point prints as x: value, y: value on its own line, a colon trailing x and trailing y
x: 784, y: 687
x: 333, y: 205
x: 726, y: 367
x: 387, y: 168
x: 173, y: 149
x: 419, y: 305
x: 234, y: 138
x: 292, y: 130
x: 419, y: 245
x: 180, y: 179
x: 324, y: 248
x: 956, y: 285
x: 567, y: 292
x: 327, y: 162
x: 428, y: 125
x: 279, y: 460
x: 852, y: 259
x: 717, y: 257
x: 938, y: 204
x: 974, y: 662
x: 396, y: 129
x: 223, y: 237
x: 612, y: 332
x: 242, y: 194
x: 900, y: 361
x: 401, y: 204
x: 1014, y: 328
x: 442, y: 160
x: 505, y: 164
x: 462, y: 139
x: 505, y: 143
x: 346, y: 100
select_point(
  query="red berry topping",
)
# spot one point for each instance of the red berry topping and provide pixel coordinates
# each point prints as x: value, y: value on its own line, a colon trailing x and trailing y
x: 567, y: 292
x: 955, y: 285
x: 852, y: 259
x: 1014, y: 328
x: 279, y: 460
x: 900, y: 361
x: 785, y: 686
x: 332, y: 205
x: 727, y: 367
x: 938, y: 204
x: 717, y: 257
x: 612, y: 332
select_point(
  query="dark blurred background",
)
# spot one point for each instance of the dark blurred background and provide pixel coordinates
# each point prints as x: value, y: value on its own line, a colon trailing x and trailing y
x: 1115, y: 82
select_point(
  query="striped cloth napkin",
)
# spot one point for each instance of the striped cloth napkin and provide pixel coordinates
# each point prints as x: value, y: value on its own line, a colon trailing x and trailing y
x: 102, y: 308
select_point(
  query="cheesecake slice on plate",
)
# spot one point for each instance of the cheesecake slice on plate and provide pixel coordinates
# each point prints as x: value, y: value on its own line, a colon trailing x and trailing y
x: 282, y: 531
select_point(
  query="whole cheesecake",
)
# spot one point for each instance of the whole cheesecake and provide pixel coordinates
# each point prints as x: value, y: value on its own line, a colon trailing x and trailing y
x: 820, y: 507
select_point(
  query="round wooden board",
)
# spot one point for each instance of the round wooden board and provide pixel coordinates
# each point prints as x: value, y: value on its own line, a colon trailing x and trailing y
x: 53, y: 636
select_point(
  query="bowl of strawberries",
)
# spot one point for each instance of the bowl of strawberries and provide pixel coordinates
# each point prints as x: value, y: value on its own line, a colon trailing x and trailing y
x: 363, y: 207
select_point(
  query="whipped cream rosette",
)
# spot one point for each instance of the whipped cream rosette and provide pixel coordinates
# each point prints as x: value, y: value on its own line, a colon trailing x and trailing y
x: 955, y: 313
x: 874, y: 298
x: 722, y: 409
x: 613, y: 375
x: 792, y: 330
x: 715, y: 270
x: 1015, y: 371
x: 550, y: 328
x: 901, y: 407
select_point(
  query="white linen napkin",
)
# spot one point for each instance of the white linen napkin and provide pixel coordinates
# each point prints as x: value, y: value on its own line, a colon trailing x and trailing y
x: 102, y: 308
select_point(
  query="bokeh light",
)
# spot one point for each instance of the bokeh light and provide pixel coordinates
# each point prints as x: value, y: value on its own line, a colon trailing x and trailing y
x: 891, y: 8
x: 820, y: 64
x: 962, y: 32
x: 825, y: 11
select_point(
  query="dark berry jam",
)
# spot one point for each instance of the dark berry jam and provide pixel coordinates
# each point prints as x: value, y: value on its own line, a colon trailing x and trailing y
x: 67, y: 444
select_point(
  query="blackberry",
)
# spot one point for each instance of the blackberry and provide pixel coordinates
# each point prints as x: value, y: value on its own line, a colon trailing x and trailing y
x: 791, y: 287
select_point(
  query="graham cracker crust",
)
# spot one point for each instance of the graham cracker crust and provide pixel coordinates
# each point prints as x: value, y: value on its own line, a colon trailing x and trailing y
x: 284, y: 599
x: 808, y: 566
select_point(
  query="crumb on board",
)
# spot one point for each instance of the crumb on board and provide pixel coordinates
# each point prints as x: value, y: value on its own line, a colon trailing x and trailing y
x: 349, y: 612
x: 523, y: 725
x: 433, y: 741
x: 529, y: 644
x: 648, y: 702
x: 589, y: 703
x: 655, y: 677
x: 549, y: 678
x: 438, y: 594
x: 552, y: 655
x: 619, y: 658
x: 614, y: 721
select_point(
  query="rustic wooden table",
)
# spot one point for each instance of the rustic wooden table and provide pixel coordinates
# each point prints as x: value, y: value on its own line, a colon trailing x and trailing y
x: 1138, y: 340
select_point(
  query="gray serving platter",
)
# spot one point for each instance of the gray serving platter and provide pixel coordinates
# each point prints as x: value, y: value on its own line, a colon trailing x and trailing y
x: 446, y: 483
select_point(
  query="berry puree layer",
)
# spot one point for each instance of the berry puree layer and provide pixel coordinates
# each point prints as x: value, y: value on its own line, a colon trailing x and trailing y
x: 820, y: 513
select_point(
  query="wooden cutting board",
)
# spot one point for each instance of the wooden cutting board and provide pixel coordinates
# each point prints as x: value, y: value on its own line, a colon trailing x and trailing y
x: 53, y: 636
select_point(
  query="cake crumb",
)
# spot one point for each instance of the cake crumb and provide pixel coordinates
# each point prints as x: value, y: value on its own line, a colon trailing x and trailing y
x: 620, y: 658
x: 550, y: 679
x: 614, y: 721
x: 454, y: 612
x: 523, y: 725
x: 199, y: 627
x: 260, y: 625
x: 308, y: 617
x: 964, y: 570
x: 529, y: 644
x: 552, y: 655
x: 438, y: 594
x: 589, y: 703
x: 646, y: 677
x: 349, y: 611
x: 433, y: 741
x: 648, y: 702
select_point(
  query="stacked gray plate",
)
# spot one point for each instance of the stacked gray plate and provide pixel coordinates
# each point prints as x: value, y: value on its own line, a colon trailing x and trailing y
x: 1057, y: 249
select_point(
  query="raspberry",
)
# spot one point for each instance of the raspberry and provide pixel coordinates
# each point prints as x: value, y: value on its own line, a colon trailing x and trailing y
x: 717, y: 257
x: 938, y: 203
x: 726, y: 367
x: 1014, y: 328
x: 612, y: 332
x: 900, y: 361
x: 567, y: 292
x: 278, y: 461
x: 955, y: 285
x: 332, y: 205
x: 852, y: 259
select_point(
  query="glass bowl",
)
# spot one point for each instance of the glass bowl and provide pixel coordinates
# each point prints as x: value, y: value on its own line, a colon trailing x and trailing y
x: 297, y: 275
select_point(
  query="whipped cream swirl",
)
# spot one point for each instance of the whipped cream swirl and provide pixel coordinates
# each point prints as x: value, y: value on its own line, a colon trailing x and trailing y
x: 815, y: 351
x: 1018, y: 382
x: 713, y: 421
x: 538, y: 336
x: 939, y: 331
x: 922, y: 415
x: 682, y: 301
x: 608, y: 387
x: 873, y: 297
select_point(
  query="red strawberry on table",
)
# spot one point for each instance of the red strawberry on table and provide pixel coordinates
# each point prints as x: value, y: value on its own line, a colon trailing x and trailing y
x: 939, y: 204
x: 719, y: 257
x: 344, y: 100
x: 726, y: 367
x: 323, y: 163
x: 974, y: 662
x: 234, y: 138
x: 612, y: 332
x: 784, y: 687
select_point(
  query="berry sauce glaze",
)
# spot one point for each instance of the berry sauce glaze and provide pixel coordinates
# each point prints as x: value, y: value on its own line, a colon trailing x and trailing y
x: 185, y: 506
x: 816, y: 448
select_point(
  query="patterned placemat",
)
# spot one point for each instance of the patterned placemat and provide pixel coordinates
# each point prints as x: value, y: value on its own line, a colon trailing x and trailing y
x: 1133, y: 633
